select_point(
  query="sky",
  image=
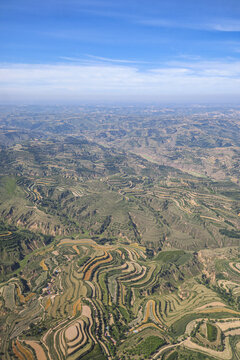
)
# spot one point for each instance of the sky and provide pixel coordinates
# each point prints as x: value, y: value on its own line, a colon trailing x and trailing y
x: 102, y: 51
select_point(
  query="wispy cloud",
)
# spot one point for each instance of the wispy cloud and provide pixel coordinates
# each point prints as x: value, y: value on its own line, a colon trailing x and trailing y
x: 77, y: 82
x: 115, y: 60
x: 232, y: 26
x: 50, y: 5
x: 222, y: 25
x: 228, y: 69
x: 158, y: 22
x: 104, y: 60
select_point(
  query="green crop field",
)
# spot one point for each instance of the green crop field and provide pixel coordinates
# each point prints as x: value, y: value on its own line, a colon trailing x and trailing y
x: 211, y: 332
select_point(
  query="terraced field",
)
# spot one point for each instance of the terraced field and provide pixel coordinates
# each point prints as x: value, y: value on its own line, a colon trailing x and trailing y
x: 105, y: 252
x: 99, y: 296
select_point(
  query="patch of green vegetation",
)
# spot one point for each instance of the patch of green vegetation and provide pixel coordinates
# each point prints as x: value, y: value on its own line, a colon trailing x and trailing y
x: 232, y: 194
x: 147, y: 347
x: 178, y: 257
x: 124, y: 313
x: 188, y: 355
x: 15, y: 244
x: 193, y: 173
x: 178, y: 328
x: 229, y: 223
x: 220, y: 276
x: 84, y: 235
x: 36, y: 329
x: 28, y: 257
x: 95, y: 354
x: 173, y: 356
x: 10, y: 185
x: 230, y: 233
x: 211, y: 332
x: 83, y: 260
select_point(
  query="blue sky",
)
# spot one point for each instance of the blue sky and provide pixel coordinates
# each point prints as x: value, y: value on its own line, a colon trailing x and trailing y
x: 100, y: 50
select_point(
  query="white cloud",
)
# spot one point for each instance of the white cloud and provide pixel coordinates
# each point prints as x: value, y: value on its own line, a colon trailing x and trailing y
x: 223, y: 25
x: 103, y: 59
x: 74, y: 82
x: 211, y: 68
x: 226, y: 26
x: 123, y: 61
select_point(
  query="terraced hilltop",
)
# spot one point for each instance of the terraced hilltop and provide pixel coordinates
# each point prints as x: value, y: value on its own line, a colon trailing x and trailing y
x: 106, y: 252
